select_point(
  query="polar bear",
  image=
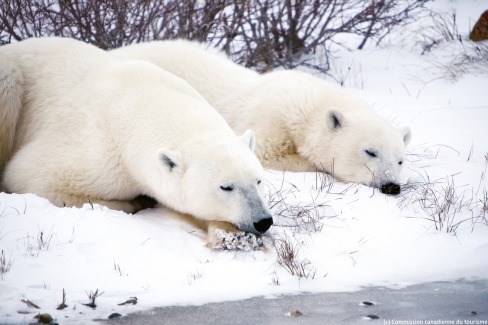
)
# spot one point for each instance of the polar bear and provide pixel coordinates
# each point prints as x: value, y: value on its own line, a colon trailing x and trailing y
x: 78, y: 127
x: 302, y: 123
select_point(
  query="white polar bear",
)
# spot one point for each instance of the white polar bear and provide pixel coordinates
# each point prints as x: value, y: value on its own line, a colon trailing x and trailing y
x: 91, y: 129
x: 302, y: 123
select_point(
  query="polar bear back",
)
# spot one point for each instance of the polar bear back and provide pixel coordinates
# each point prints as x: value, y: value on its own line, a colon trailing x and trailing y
x: 204, y: 67
x: 56, y: 70
x: 87, y: 126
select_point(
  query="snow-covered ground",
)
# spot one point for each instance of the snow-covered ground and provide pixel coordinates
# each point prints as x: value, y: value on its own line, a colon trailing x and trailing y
x: 345, y: 236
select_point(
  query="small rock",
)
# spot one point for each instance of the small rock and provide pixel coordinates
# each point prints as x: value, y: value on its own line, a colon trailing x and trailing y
x: 130, y: 301
x: 372, y: 317
x: 44, y: 318
x: 480, y: 29
x: 366, y: 303
x: 474, y: 313
x: 295, y: 313
x: 114, y: 315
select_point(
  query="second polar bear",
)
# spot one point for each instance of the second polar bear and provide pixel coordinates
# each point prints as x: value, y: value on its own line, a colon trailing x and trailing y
x: 302, y: 123
x: 81, y: 128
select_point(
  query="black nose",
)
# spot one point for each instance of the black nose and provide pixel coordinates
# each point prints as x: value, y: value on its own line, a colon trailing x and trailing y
x: 263, y: 225
x: 390, y: 188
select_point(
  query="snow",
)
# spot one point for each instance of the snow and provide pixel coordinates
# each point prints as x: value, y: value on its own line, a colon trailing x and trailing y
x: 347, y: 236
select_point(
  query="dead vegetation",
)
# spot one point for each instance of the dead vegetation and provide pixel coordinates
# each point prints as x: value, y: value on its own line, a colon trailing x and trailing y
x: 62, y: 305
x: 298, y: 216
x: 443, y: 202
x: 442, y: 34
x: 262, y: 34
x: 119, y: 270
x: 41, y: 242
x: 93, y: 297
x: 30, y: 304
x: 288, y: 257
x: 5, y: 264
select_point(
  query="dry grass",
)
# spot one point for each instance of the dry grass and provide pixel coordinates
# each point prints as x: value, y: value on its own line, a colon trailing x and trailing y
x: 195, y: 275
x: 471, y: 58
x: 44, y: 239
x: 275, y: 279
x: 482, y: 216
x: 119, y: 270
x: 62, y: 305
x: 296, y: 217
x: 30, y: 303
x: 299, y: 217
x: 444, y: 25
x: 288, y: 257
x: 443, y: 203
x: 40, y: 243
x: 93, y: 297
x: 466, y: 57
x: 5, y: 264
x: 446, y: 204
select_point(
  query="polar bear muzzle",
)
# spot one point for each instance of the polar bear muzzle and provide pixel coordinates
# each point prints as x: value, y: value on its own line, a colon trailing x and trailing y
x: 390, y: 188
x: 263, y: 225
x: 259, y: 227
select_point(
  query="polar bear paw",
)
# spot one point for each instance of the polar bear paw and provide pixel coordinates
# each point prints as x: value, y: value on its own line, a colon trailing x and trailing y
x: 241, y: 241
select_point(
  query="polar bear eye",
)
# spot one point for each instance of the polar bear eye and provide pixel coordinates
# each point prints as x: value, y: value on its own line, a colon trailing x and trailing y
x: 226, y: 188
x: 259, y: 181
x: 400, y: 162
x: 370, y: 153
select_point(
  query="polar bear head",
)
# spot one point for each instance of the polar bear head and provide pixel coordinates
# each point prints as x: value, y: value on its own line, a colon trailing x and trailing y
x: 218, y: 179
x: 360, y: 147
x: 335, y: 132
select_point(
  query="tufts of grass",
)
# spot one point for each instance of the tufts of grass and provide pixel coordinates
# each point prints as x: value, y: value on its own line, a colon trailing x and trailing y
x: 288, y: 258
x: 275, y: 279
x: 482, y: 216
x: 118, y: 269
x: 442, y: 204
x: 297, y: 216
x: 471, y: 58
x: 5, y: 264
x: 466, y: 56
x: 44, y: 240
x: 93, y: 297
x: 40, y: 243
x: 444, y: 26
x: 446, y: 204
x: 62, y: 305
x: 195, y: 275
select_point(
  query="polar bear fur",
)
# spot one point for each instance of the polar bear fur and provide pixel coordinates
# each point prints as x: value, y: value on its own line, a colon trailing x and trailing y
x: 302, y: 123
x: 78, y: 128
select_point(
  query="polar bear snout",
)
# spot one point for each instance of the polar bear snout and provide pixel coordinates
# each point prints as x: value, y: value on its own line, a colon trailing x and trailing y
x: 390, y: 188
x: 265, y: 221
x: 264, y: 224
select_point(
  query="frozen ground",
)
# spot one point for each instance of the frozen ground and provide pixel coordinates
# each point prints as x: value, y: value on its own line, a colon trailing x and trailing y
x: 346, y: 237
x: 453, y: 303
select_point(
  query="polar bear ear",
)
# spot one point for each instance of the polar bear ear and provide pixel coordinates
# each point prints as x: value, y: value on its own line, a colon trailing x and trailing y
x: 173, y: 160
x: 249, y: 139
x: 335, y: 120
x: 406, y: 134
